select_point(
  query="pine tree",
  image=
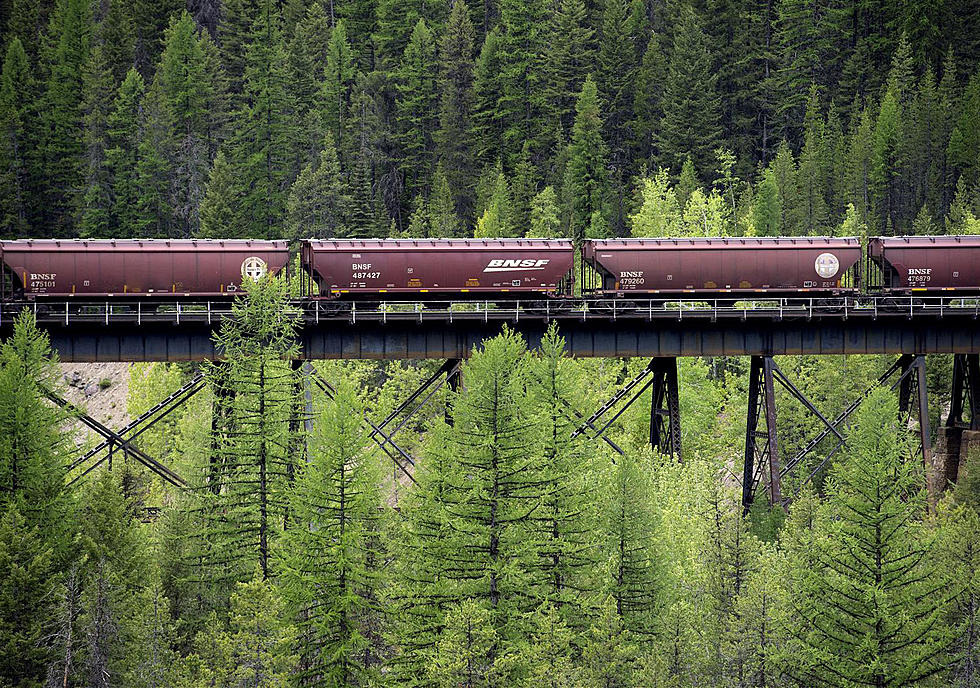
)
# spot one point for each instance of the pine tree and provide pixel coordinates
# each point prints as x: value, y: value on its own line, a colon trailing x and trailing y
x: 784, y: 172
x: 586, y: 172
x: 523, y: 187
x: 417, y: 109
x: 690, y: 102
x: 319, y: 203
x: 648, y: 94
x: 885, y: 176
x: 150, y: 19
x: 331, y: 556
x: 396, y: 22
x: 62, y: 116
x: 964, y: 142
x: 813, y: 170
x: 488, y: 88
x: 308, y: 52
x: 568, y: 60
x: 875, y: 599
x: 627, y: 546
x: 219, y: 207
x: 522, y: 49
x: 470, y: 523
x: 234, y: 35
x: 28, y: 584
x: 154, y: 209
x: 615, y: 77
x: 18, y: 156
x: 454, y: 139
x: 442, y: 207
x: 117, y: 37
x: 859, y: 164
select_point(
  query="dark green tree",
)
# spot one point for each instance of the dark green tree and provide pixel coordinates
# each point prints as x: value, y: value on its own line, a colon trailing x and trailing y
x: 418, y: 110
x: 586, y: 174
x: 18, y: 153
x: 122, y: 157
x: 319, y: 202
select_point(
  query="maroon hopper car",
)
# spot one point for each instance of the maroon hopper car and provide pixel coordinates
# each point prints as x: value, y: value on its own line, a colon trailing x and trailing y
x: 393, y: 269
x: 924, y: 264
x: 123, y: 267
x: 737, y: 265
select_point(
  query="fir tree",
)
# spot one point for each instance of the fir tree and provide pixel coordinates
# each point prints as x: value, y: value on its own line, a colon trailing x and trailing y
x: 885, y: 177
x: 442, y: 207
x: 319, y: 204
x: 61, y: 112
x: 766, y: 207
x: 545, y: 222
x: 488, y: 88
x: 859, y: 164
x: 97, y: 201
x: 648, y: 93
x: 308, y: 52
x: 690, y: 102
x: 783, y: 168
x: 18, y: 157
x: 234, y: 30
x: 122, y: 157
x: 522, y: 49
x: 264, y: 144
x: 586, y: 172
x: 219, y: 207
x: 813, y: 170
x: 338, y: 78
x: 417, y: 109
x: 568, y: 60
x: 964, y: 142
x: 454, y: 139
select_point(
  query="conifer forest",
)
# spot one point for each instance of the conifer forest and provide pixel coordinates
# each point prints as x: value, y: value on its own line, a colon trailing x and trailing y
x: 514, y: 552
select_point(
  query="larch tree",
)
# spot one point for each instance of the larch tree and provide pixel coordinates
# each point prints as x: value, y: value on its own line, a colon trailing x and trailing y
x: 242, y: 502
x: 332, y: 551
x: 877, y: 600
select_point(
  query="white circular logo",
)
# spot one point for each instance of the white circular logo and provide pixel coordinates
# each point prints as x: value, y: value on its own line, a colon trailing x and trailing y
x: 826, y: 265
x: 254, y: 268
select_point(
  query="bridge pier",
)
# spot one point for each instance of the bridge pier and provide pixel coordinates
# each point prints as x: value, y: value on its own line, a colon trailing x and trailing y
x: 761, y: 446
x: 665, y: 412
x: 958, y: 440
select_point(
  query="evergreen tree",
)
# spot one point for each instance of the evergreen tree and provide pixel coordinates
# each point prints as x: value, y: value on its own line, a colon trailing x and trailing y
x: 783, y: 168
x: 454, y: 141
x: 308, y: 52
x: 521, y: 104
x: 150, y: 19
x: 813, y: 170
x: 859, y: 164
x: 766, y: 208
x: 242, y: 501
x: 488, y: 88
x: 97, y: 201
x: 396, y: 22
x: 568, y: 60
x: 62, y: 115
x: 234, y: 35
x: 417, y: 109
x: 319, y: 204
x: 338, y: 78
x: 182, y: 78
x: 690, y: 102
x: 964, y: 142
x: 442, y: 207
x: 264, y: 143
x: 545, y: 222
x: 154, y: 208
x: 18, y: 155
x: 874, y: 599
x: 331, y: 554
x: 885, y: 178
x: 219, y: 207
x: 122, y: 157
x: 648, y: 94
x: 586, y: 173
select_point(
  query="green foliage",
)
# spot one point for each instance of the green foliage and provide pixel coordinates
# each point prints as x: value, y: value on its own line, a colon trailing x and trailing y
x: 586, y: 174
x: 319, y: 203
x: 874, y: 599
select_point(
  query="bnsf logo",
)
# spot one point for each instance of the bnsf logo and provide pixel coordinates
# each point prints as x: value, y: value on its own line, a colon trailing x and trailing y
x: 501, y: 265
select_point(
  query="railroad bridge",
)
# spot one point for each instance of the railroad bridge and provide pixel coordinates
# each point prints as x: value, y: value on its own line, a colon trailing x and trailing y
x: 907, y: 327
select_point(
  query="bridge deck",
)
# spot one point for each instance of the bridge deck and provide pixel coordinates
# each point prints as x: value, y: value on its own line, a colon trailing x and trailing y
x: 142, y: 331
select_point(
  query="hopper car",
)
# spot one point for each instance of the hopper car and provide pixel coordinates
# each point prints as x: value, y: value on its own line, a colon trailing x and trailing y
x: 420, y: 270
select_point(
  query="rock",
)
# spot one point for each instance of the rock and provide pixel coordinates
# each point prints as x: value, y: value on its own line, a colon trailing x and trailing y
x: 91, y: 388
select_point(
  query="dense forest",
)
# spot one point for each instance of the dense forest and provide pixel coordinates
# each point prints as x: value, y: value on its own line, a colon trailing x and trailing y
x: 266, y: 118
x: 510, y: 554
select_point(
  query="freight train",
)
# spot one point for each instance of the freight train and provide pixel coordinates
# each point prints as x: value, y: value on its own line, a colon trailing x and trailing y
x: 419, y: 270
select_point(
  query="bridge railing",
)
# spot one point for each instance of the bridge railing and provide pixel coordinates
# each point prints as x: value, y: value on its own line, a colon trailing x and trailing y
x: 139, y: 312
